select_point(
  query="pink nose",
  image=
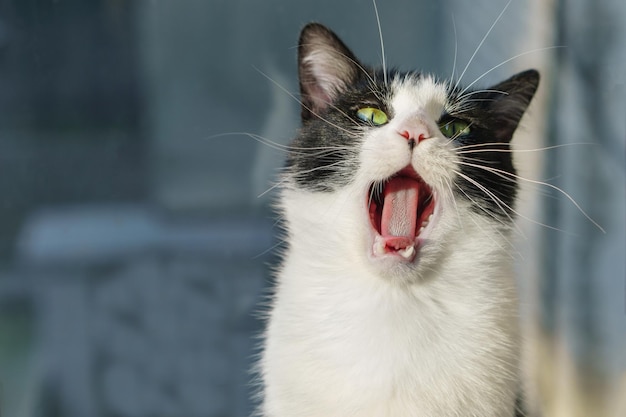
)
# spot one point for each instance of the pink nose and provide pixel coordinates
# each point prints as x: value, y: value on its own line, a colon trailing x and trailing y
x: 417, y: 134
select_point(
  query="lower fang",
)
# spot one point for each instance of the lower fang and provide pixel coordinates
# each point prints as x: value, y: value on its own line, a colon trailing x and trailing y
x: 379, y: 247
x: 407, y: 253
x: 425, y: 222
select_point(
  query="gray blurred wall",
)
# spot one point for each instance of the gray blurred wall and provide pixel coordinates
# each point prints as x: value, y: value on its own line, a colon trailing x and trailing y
x: 135, y: 249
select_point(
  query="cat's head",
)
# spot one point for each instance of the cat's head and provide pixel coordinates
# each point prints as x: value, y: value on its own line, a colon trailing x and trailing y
x: 418, y: 160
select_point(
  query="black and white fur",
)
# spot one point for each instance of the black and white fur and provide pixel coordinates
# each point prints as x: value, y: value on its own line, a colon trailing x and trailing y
x: 352, y: 333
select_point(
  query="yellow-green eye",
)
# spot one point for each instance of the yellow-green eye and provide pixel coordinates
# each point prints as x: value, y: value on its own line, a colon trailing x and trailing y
x: 454, y: 128
x: 372, y: 115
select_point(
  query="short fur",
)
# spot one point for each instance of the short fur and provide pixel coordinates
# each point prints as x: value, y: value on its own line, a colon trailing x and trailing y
x: 351, y: 333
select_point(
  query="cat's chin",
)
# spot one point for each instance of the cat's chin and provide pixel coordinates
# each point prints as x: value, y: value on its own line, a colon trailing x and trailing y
x: 403, y: 210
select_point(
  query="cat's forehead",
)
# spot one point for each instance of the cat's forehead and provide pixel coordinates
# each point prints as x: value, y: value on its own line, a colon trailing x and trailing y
x: 418, y: 93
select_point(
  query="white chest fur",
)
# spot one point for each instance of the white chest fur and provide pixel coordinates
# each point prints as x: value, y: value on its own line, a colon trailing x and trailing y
x: 342, y: 341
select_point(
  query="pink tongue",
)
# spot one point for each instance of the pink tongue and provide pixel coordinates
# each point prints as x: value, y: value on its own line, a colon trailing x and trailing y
x: 399, y: 215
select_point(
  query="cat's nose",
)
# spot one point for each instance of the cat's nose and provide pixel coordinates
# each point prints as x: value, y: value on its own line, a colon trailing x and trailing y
x: 414, y: 136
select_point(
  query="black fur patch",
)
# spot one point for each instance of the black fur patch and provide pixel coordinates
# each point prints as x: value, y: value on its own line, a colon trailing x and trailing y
x: 486, y: 155
x: 326, y: 150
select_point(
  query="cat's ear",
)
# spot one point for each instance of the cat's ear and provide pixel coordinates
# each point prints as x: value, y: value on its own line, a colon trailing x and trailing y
x: 325, y: 68
x: 509, y: 100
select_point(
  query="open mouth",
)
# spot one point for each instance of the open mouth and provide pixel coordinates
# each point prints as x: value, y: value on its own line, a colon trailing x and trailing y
x: 399, y: 212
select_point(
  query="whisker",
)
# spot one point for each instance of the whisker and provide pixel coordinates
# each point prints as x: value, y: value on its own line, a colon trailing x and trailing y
x: 358, y: 65
x: 467, y: 103
x: 505, y: 174
x: 288, y: 175
x: 373, y: 86
x: 488, y: 193
x: 273, y: 187
x: 513, y: 150
x: 478, y: 145
x: 270, y: 249
x: 308, y: 171
x: 496, y: 229
x: 382, y: 44
x: 455, y: 137
x: 270, y: 143
x: 302, y: 104
x: 376, y: 188
x: 456, y: 207
x: 474, y: 92
x: 480, y: 45
x: 507, y: 61
x: 500, y: 204
x: 464, y: 101
x: 468, y: 158
x: 281, y: 147
x: 456, y: 49
x: 541, y: 191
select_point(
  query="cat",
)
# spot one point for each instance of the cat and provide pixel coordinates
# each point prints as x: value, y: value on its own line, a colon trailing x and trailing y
x: 395, y: 295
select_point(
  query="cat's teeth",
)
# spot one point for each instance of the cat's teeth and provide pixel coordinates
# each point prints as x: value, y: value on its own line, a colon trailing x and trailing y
x: 419, y: 232
x: 379, y: 248
x: 407, y: 253
x: 425, y: 223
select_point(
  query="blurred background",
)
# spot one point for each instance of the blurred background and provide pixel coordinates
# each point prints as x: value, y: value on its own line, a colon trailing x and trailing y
x: 136, y: 233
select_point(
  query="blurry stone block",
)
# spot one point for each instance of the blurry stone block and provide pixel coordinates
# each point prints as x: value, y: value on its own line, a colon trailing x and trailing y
x: 141, y: 316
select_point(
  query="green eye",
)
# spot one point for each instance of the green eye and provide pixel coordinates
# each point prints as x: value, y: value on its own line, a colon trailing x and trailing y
x: 372, y: 115
x: 454, y: 128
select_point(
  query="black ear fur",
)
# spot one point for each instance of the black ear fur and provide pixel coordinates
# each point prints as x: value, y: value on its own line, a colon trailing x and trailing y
x: 325, y: 68
x: 509, y: 100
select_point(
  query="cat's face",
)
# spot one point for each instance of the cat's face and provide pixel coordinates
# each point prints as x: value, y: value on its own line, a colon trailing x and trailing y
x: 420, y: 159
